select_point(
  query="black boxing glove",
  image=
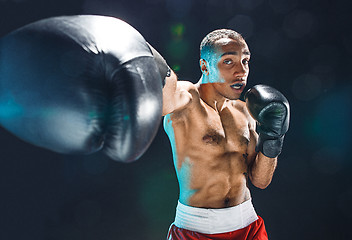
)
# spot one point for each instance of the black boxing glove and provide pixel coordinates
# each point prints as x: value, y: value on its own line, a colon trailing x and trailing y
x: 80, y: 84
x: 164, y: 69
x: 271, y: 110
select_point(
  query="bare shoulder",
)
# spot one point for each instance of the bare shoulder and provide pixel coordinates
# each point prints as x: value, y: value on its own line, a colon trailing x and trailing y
x: 188, y: 86
x: 179, y: 96
x: 188, y: 95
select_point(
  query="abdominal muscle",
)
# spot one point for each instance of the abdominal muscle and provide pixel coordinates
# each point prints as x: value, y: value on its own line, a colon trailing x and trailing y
x: 213, y: 181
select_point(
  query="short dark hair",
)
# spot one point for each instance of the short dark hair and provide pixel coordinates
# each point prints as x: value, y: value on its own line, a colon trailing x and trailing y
x: 209, y: 40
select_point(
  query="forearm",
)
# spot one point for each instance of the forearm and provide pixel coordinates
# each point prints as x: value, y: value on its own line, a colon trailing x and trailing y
x: 174, y: 96
x: 169, y: 91
x: 262, y: 170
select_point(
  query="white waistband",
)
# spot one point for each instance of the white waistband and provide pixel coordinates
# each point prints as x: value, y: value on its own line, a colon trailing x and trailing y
x: 212, y: 221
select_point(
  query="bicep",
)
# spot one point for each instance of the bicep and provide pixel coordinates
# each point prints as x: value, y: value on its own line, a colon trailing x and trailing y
x: 175, y: 94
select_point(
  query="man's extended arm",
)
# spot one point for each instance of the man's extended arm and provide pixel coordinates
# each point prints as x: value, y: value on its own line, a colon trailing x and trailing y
x: 175, y: 94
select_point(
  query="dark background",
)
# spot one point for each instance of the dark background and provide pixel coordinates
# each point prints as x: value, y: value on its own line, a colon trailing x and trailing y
x: 301, y: 47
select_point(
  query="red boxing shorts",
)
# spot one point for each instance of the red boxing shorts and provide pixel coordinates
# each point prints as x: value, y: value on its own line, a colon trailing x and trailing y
x: 236, y: 223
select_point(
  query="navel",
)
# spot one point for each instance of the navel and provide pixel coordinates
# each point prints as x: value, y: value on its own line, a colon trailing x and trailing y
x: 226, y: 202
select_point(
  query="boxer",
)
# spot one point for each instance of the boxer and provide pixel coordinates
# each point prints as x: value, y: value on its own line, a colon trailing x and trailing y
x: 220, y: 143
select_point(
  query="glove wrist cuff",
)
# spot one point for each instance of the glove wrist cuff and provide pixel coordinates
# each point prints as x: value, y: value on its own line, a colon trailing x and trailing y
x: 270, y: 147
x: 164, y: 69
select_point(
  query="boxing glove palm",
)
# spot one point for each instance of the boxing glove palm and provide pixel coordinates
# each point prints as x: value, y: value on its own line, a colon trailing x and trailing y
x: 271, y: 111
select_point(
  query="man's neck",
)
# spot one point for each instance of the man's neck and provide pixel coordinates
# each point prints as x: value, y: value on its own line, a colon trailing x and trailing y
x: 211, y: 97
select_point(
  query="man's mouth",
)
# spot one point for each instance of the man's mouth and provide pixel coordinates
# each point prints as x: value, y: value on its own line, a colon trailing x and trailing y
x: 237, y: 86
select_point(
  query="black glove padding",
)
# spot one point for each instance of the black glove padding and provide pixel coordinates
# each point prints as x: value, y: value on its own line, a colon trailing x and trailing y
x: 164, y: 69
x: 271, y: 110
x: 78, y: 84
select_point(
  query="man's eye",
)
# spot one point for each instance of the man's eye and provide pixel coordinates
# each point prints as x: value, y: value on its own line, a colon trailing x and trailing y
x: 228, y: 62
x: 245, y: 61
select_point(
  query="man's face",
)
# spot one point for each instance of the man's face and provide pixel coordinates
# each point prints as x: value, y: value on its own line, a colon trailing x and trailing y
x: 230, y: 67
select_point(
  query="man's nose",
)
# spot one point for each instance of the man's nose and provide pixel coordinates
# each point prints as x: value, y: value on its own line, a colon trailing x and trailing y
x: 241, y: 70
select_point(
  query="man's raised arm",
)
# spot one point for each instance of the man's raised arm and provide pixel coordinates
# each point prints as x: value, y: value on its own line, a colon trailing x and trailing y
x: 271, y: 111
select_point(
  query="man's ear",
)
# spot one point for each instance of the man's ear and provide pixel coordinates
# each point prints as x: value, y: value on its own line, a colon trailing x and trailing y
x: 203, y: 66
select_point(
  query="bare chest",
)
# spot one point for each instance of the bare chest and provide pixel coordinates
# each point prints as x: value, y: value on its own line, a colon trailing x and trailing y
x: 227, y: 131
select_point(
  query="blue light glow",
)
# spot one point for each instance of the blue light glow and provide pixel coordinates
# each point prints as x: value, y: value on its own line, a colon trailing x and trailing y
x: 9, y: 108
x: 212, y: 58
x: 183, y: 170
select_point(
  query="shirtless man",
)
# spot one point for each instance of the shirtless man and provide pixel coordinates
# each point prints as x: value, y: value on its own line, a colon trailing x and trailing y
x: 216, y: 148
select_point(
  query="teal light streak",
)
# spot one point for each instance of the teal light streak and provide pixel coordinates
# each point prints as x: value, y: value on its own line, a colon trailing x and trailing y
x: 9, y: 109
x: 171, y: 134
x: 184, y: 172
x: 184, y: 179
